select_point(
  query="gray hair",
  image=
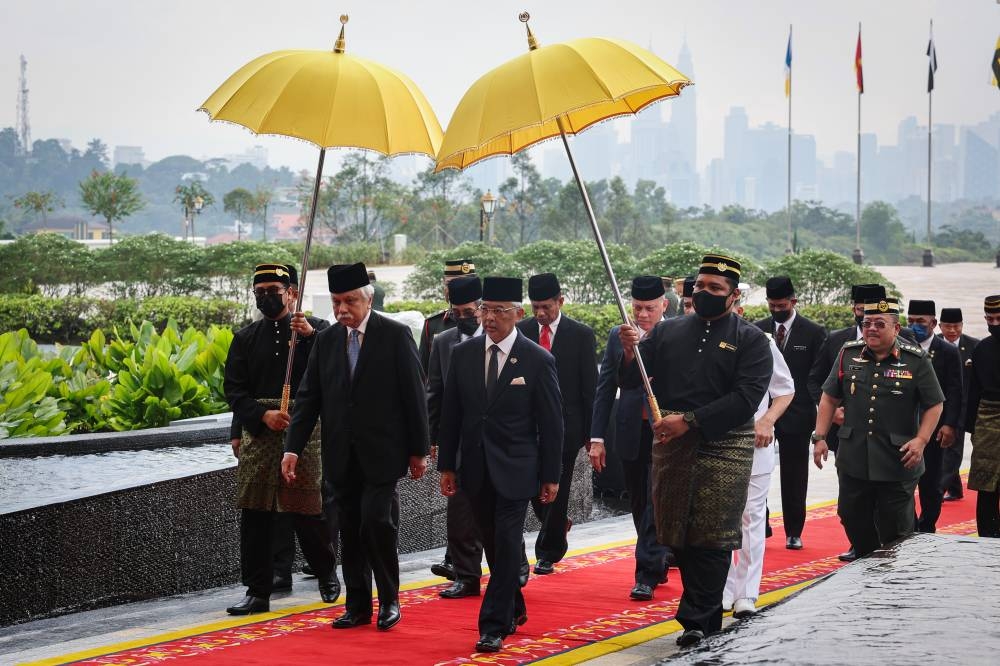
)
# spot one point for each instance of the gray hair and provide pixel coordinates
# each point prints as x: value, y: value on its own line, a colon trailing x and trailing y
x: 369, y: 291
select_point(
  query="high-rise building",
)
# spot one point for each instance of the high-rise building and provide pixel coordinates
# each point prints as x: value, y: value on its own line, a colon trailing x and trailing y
x: 129, y: 155
x: 980, y: 167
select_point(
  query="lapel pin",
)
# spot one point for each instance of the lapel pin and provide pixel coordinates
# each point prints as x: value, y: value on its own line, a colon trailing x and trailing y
x: 513, y: 361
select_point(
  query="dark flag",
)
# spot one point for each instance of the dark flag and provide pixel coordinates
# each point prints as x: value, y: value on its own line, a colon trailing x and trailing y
x: 931, y: 64
x: 996, y: 65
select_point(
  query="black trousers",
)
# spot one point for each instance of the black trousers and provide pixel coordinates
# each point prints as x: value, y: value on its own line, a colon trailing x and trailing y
x: 501, y: 524
x: 465, y: 548
x: 793, y: 457
x: 369, y: 537
x: 951, y: 465
x: 283, y: 535
x: 931, y: 495
x: 703, y: 574
x: 650, y: 555
x: 552, y: 543
x: 256, y: 539
x: 988, y: 514
x: 874, y: 513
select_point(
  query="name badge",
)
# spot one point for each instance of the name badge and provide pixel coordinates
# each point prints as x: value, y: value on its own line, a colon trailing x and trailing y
x: 799, y: 348
x: 727, y: 346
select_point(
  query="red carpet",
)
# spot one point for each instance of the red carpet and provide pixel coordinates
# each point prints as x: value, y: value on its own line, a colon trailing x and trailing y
x: 584, y: 602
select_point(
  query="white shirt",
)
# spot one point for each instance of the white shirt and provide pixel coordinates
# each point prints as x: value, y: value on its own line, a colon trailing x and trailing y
x: 361, y: 330
x: 552, y: 328
x: 926, y: 344
x: 781, y: 384
x: 504, y: 352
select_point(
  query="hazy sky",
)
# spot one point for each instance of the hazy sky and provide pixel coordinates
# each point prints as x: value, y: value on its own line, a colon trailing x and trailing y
x: 133, y: 73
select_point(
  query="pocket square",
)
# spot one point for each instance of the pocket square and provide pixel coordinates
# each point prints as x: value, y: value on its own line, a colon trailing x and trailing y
x: 517, y: 381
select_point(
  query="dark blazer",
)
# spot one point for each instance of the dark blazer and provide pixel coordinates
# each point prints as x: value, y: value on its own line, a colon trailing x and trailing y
x: 437, y: 372
x: 966, y: 345
x: 379, y: 418
x: 517, y: 438
x: 575, y: 349
x: 803, y: 346
x: 947, y: 362
x: 628, y: 418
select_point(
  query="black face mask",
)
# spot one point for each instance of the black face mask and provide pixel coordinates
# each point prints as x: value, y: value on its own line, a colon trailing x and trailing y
x: 467, y: 325
x: 859, y: 319
x: 781, y: 316
x: 994, y: 330
x: 270, y: 305
x: 709, y: 306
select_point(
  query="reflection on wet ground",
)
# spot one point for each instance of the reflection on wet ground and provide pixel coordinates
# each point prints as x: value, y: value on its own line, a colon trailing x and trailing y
x: 931, y: 599
x: 29, y: 482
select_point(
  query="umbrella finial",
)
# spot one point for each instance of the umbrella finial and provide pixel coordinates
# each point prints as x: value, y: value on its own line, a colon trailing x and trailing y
x: 341, y: 43
x: 532, y: 42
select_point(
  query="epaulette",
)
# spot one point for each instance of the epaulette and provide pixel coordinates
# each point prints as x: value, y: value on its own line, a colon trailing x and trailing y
x: 919, y: 351
x: 854, y: 343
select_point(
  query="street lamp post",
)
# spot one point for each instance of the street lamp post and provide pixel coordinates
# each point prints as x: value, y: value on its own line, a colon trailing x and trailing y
x: 487, y: 206
x: 191, y: 208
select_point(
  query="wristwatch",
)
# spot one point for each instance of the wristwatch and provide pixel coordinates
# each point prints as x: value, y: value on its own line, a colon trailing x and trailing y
x: 690, y: 419
x: 816, y: 437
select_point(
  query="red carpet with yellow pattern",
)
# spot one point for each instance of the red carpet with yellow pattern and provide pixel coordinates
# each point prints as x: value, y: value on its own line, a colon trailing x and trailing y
x: 580, y: 612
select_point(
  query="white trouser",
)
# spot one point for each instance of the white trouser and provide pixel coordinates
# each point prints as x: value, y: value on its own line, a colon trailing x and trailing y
x: 743, y: 581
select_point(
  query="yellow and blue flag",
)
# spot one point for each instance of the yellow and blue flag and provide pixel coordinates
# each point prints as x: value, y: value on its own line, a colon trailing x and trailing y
x: 788, y: 65
x: 995, y: 65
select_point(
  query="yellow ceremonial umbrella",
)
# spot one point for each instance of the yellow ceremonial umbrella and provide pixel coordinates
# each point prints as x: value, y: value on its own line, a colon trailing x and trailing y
x: 553, y: 91
x: 332, y: 100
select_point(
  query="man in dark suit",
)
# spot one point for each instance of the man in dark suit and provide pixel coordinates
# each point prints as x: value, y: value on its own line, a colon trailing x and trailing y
x: 364, y: 380
x: 922, y: 318
x: 800, y: 341
x: 633, y: 438
x: 464, y: 555
x: 575, y: 350
x: 501, y: 437
x: 951, y: 324
x: 442, y: 321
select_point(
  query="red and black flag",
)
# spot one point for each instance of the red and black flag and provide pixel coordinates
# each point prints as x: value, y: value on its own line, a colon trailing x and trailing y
x: 857, y: 65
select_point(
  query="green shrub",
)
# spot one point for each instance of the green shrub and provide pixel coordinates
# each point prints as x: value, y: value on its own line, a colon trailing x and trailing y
x: 152, y: 265
x: 426, y: 308
x: 425, y: 281
x: 821, y: 276
x: 47, y: 263
x: 25, y: 408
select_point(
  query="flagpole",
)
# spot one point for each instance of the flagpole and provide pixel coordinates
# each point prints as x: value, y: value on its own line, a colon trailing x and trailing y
x: 929, y: 252
x: 788, y: 198
x: 859, y: 256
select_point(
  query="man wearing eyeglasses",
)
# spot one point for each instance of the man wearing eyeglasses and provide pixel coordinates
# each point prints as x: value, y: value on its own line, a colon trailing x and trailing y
x: 501, y: 438
x: 254, y: 378
x: 892, y: 403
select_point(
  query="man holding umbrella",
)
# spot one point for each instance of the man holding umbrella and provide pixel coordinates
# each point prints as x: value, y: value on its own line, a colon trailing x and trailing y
x: 364, y: 379
x: 711, y: 372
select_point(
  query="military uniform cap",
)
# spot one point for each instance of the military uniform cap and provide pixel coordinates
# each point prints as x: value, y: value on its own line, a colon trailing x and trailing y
x: 647, y: 288
x: 720, y: 264
x: 543, y: 286
x: 921, y: 308
x: 464, y: 290
x: 991, y: 304
x: 688, y: 286
x: 882, y: 306
x: 271, y: 273
x: 459, y: 267
x: 951, y: 315
x: 293, y: 275
x: 347, y: 277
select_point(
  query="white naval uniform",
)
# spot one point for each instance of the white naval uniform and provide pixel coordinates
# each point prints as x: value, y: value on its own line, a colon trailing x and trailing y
x: 743, y: 581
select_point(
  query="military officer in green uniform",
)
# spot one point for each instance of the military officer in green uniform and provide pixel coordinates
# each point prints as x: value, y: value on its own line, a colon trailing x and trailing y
x: 892, y: 402
x: 442, y: 321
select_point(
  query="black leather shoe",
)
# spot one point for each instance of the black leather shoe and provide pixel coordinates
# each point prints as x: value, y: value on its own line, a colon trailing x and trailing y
x: 768, y: 532
x: 849, y: 556
x: 664, y: 577
x: 329, y: 589
x: 522, y: 574
x: 349, y: 620
x: 489, y: 643
x: 281, y: 584
x: 389, y: 616
x: 952, y: 498
x: 307, y: 570
x: 517, y: 622
x: 250, y: 605
x: 544, y: 567
x: 793, y: 543
x: 690, y: 637
x: 641, y: 592
x: 444, y: 569
x: 461, y: 588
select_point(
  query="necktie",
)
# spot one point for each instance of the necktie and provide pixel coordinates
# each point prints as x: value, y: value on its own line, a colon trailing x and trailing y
x: 492, y: 373
x: 353, y: 349
x: 779, y: 337
x: 545, y: 339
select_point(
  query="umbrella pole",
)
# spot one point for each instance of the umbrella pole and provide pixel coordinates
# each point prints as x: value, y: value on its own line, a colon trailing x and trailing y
x: 654, y: 407
x: 286, y: 390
